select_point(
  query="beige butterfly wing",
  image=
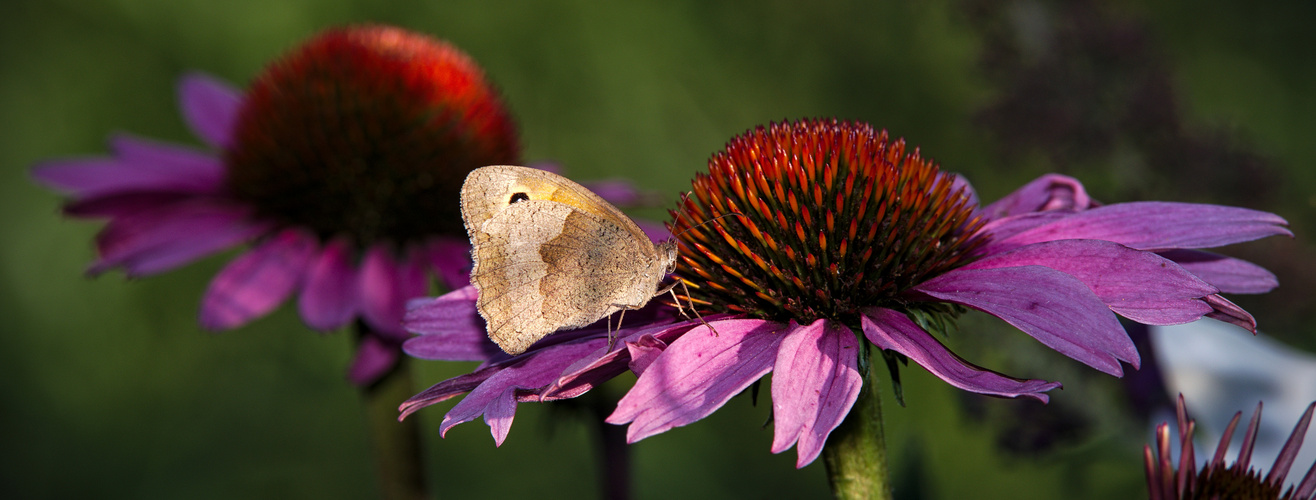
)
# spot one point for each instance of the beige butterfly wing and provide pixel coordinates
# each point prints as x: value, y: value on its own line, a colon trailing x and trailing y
x: 551, y: 255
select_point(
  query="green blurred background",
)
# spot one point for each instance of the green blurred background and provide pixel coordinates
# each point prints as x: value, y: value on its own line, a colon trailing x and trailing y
x: 111, y: 390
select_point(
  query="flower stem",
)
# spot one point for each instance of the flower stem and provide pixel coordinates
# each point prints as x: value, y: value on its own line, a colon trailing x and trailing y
x: 856, y: 451
x: 396, y: 445
x: 614, y: 453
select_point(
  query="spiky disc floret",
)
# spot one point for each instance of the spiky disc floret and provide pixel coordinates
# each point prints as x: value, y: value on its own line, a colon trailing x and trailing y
x: 833, y: 217
x: 367, y: 131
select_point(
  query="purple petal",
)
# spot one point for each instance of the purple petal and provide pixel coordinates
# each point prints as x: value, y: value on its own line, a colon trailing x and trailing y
x: 450, y: 328
x: 959, y: 182
x: 1002, y: 229
x: 1055, y: 308
x: 592, y: 370
x: 1159, y: 225
x: 618, y: 192
x: 1048, y: 192
x: 1229, y: 312
x: 892, y: 330
x: 159, y: 240
x: 1290, y: 450
x: 450, y: 259
x: 697, y: 374
x: 446, y: 390
x: 1228, y: 274
x: 328, y: 298
x: 385, y: 285
x: 210, y: 107
x: 140, y: 165
x: 255, y: 283
x: 496, y: 397
x: 374, y: 358
x: 815, y: 381
x: 656, y: 231
x: 1138, y: 285
x: 126, y: 204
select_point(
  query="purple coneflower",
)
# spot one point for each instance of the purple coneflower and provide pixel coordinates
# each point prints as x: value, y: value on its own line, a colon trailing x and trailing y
x: 341, y: 164
x: 846, y: 241
x: 1217, y: 478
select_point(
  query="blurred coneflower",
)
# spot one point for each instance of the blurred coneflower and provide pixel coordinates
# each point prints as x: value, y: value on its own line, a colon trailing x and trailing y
x: 1217, y: 478
x: 340, y: 164
x: 845, y: 236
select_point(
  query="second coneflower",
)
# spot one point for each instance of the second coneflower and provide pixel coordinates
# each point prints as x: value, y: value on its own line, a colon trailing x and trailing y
x: 341, y: 163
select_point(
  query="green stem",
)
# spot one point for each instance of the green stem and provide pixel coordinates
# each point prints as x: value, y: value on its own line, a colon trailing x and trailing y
x: 395, y: 445
x: 855, y: 453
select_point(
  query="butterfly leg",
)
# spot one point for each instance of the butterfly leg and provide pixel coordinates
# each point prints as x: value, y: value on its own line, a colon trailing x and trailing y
x: 677, y: 300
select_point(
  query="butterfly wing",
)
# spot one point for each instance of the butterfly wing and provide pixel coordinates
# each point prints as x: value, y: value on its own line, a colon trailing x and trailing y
x: 544, y: 266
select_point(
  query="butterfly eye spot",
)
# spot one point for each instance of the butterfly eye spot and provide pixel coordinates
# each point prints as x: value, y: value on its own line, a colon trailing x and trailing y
x: 518, y: 197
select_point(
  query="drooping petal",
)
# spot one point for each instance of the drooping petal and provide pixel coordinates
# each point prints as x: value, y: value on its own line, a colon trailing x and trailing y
x: 328, y: 298
x: 384, y: 286
x: 1159, y: 225
x: 589, y: 371
x: 1229, y: 312
x: 159, y: 240
x: 815, y: 382
x: 697, y: 374
x: 373, y: 359
x: 257, y: 282
x: 450, y: 328
x: 450, y: 258
x: 496, y: 397
x: 210, y: 108
x: 1048, y: 192
x: 1228, y: 274
x: 446, y: 390
x: 1055, y: 308
x: 893, y: 330
x: 1138, y: 285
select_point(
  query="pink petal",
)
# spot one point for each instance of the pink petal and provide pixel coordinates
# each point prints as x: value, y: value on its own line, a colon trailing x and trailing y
x: 159, y: 240
x: 210, y: 107
x: 1139, y: 285
x: 815, y: 381
x: 450, y: 258
x: 643, y: 353
x: 385, y: 285
x: 328, y: 298
x: 255, y: 283
x: 892, y: 330
x: 1228, y: 274
x: 1055, y: 308
x: 140, y: 165
x: 1159, y: 225
x: 374, y: 358
x: 697, y: 374
x: 450, y: 328
x: 1048, y: 192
